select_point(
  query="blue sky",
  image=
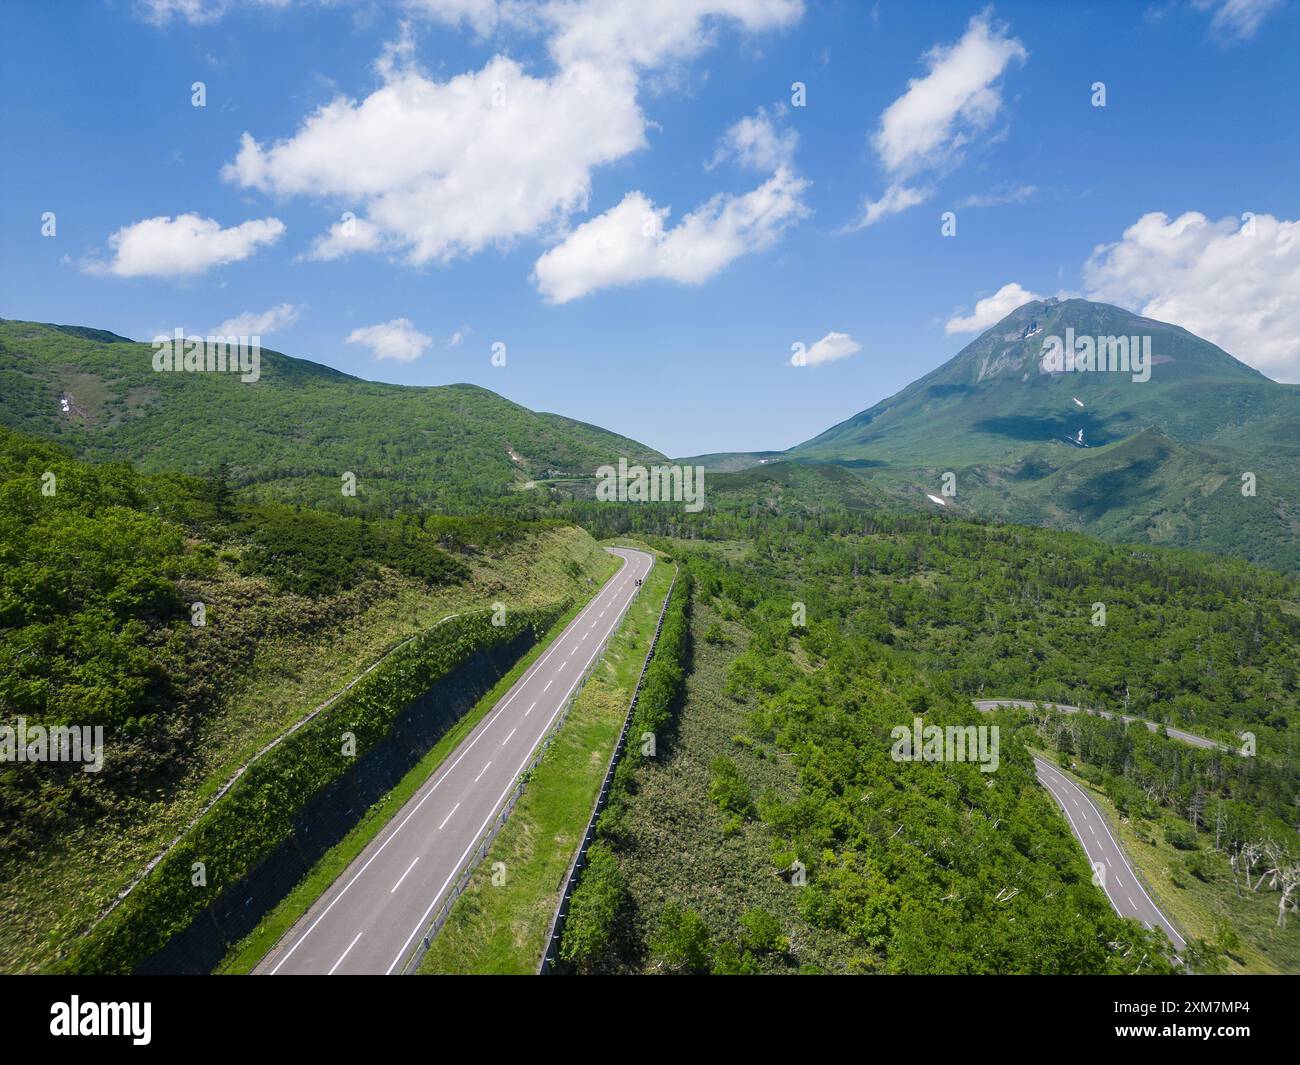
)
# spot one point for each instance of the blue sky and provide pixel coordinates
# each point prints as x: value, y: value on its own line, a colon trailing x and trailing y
x: 510, y: 165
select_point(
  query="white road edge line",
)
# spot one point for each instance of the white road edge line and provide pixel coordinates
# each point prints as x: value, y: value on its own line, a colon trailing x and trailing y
x: 1124, y: 858
x: 479, y: 731
x: 495, y: 806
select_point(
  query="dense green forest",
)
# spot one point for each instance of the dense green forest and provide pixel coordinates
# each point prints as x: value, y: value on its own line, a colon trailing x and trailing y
x: 771, y: 831
x: 100, y: 570
x: 784, y: 746
x: 774, y: 832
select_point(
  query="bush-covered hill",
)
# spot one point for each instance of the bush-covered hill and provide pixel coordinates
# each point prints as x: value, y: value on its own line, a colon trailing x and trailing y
x: 294, y: 433
x: 778, y: 749
x: 99, y: 580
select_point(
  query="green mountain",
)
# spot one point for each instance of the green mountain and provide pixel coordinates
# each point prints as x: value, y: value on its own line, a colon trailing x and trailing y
x: 295, y: 432
x: 1158, y: 460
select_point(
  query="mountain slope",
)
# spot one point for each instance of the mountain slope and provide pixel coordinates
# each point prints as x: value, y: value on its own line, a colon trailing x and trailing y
x: 295, y: 432
x: 1159, y: 460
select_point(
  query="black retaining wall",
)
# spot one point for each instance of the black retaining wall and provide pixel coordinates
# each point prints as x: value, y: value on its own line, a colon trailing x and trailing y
x: 334, y: 812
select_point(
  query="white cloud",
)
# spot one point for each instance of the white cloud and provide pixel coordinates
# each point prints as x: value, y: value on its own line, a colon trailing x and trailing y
x: 629, y: 243
x: 925, y: 129
x: 345, y: 237
x: 184, y: 245
x: 195, y: 12
x: 447, y: 168
x: 648, y: 34
x: 958, y: 97
x: 831, y: 348
x: 1237, y: 20
x: 443, y: 169
x: 756, y: 142
x: 482, y: 15
x: 1216, y: 279
x: 253, y: 323
x: 397, y: 339
x: 992, y: 309
x: 897, y: 198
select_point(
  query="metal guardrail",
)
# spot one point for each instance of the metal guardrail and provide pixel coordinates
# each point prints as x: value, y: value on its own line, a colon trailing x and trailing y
x: 570, y: 883
x: 489, y: 835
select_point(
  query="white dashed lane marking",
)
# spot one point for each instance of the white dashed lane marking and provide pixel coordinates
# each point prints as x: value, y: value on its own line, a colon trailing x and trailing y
x: 403, y: 876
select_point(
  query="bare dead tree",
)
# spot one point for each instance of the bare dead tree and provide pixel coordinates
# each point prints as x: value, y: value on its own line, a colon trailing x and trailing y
x: 1283, y: 875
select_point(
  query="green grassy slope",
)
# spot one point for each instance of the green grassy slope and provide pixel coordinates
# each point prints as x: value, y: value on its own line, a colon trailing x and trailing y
x: 292, y: 434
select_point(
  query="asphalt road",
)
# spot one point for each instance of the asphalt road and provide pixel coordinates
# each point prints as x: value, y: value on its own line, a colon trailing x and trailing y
x: 372, y: 916
x: 1118, y: 880
x: 1178, y: 734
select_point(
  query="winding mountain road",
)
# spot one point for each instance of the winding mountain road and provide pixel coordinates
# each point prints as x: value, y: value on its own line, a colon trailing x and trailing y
x: 1111, y: 867
x: 1128, y: 719
x: 371, y: 918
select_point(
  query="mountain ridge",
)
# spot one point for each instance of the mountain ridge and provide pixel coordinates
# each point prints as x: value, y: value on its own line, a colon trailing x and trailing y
x: 295, y: 432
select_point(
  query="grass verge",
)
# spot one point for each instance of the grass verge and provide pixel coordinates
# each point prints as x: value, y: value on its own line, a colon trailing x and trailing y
x: 502, y: 927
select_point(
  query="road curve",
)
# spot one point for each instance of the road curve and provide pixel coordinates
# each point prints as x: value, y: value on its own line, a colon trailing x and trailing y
x: 371, y: 917
x: 1175, y: 733
x: 1111, y: 868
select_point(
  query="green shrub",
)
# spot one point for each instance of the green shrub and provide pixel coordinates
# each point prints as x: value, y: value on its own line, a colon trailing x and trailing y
x: 1180, y: 835
x: 681, y: 943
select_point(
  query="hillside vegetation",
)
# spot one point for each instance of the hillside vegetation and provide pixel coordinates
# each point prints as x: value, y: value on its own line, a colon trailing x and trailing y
x: 780, y: 749
x: 1158, y: 460
x: 97, y: 593
x: 294, y: 433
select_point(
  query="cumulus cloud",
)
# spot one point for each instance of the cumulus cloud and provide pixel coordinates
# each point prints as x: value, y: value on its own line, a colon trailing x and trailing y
x: 443, y: 169
x: 1237, y: 20
x: 629, y: 243
x: 253, y: 323
x: 185, y: 245
x: 447, y: 168
x: 1234, y: 283
x: 831, y: 348
x: 756, y: 142
x: 991, y: 309
x: 958, y: 97
x: 397, y: 339
x: 925, y: 129
x: 345, y: 237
